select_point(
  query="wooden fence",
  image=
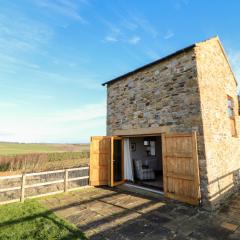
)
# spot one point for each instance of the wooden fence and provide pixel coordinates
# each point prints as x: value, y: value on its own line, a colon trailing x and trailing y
x: 24, y: 177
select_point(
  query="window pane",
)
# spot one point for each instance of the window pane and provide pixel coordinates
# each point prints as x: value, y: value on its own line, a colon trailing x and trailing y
x: 230, y: 112
x: 230, y: 107
x: 152, y: 148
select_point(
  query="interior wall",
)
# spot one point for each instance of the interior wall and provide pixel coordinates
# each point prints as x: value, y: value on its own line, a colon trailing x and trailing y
x: 141, y: 153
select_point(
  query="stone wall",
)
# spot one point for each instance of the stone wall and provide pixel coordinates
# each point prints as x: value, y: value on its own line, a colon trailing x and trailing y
x: 164, y: 98
x: 162, y: 95
x: 216, y: 81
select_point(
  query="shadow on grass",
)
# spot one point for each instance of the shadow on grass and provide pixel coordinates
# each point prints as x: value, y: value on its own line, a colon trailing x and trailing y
x: 120, y: 219
x: 47, y: 218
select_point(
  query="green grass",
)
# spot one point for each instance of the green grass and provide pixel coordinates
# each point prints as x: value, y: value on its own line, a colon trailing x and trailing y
x: 20, y: 148
x: 32, y: 221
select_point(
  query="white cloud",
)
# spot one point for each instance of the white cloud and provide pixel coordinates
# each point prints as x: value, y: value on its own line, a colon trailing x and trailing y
x: 5, y: 135
x: 152, y: 54
x: 145, y: 25
x: 179, y: 4
x: 111, y: 39
x: 134, y: 40
x: 128, y: 26
x: 43, y: 97
x: 119, y: 36
x: 7, y: 104
x: 114, y: 32
x: 85, y: 113
x: 169, y: 34
x: 13, y: 63
x: 67, y: 8
x: 72, y: 62
x: 21, y: 34
x: 73, y: 125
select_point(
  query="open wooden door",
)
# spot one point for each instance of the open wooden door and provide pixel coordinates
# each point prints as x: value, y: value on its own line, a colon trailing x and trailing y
x: 106, y: 161
x: 100, y: 159
x: 117, y: 161
x: 180, y: 167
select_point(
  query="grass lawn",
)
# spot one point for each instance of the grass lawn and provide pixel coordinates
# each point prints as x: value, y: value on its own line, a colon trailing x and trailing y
x: 32, y: 221
x: 22, y: 148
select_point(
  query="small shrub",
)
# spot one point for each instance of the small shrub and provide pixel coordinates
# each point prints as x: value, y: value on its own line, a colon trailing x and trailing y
x: 4, y: 167
x: 40, y: 161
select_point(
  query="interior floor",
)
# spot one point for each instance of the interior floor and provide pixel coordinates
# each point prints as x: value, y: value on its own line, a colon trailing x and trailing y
x: 158, y: 182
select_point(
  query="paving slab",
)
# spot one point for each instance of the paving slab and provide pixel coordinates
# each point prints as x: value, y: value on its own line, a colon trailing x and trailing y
x: 110, y: 213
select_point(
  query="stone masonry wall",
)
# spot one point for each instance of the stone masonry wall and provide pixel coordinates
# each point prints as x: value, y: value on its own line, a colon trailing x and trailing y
x: 222, y: 150
x: 165, y: 94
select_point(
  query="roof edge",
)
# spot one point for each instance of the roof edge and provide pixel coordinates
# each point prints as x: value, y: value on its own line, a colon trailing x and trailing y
x: 167, y: 57
x: 150, y: 64
x: 224, y: 54
x: 227, y: 59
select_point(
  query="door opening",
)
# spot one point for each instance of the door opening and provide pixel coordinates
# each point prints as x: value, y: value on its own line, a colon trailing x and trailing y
x: 168, y: 162
x: 146, y: 157
x: 117, y: 160
x: 117, y: 163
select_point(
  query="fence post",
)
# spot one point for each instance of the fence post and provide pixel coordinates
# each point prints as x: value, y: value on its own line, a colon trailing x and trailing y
x: 23, y: 187
x: 66, y: 180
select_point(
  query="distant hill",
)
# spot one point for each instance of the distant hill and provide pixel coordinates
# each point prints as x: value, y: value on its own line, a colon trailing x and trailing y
x: 11, y: 148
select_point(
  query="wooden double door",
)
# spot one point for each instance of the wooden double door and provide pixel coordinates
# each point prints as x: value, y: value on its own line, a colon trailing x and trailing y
x: 106, y: 161
x: 180, y: 167
x: 179, y: 159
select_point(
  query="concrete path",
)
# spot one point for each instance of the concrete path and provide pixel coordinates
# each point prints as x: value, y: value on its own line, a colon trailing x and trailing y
x: 106, y: 213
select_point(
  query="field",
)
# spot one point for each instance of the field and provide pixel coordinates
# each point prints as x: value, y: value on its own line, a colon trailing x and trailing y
x: 42, y: 157
x: 32, y: 221
x: 22, y: 148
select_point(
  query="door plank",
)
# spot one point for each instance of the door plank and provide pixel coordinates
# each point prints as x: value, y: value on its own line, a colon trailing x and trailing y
x: 180, y: 167
x: 100, y: 157
x: 179, y: 176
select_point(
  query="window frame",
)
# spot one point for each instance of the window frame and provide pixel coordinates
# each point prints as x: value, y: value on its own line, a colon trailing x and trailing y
x: 230, y: 108
x: 238, y: 98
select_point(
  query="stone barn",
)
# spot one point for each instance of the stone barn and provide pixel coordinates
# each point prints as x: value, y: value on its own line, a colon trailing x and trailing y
x: 173, y: 127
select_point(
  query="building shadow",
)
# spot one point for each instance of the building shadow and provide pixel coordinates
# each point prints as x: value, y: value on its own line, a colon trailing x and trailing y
x: 222, y: 188
x: 127, y: 215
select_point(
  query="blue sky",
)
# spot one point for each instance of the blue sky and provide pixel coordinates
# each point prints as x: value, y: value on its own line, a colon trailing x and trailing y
x: 54, y: 55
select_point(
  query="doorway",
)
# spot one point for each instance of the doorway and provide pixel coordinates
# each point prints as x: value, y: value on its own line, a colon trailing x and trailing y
x: 117, y: 161
x: 170, y: 160
x: 146, y: 157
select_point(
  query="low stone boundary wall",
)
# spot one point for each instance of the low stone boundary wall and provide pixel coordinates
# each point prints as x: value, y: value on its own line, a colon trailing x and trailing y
x: 17, y: 188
